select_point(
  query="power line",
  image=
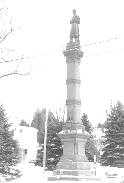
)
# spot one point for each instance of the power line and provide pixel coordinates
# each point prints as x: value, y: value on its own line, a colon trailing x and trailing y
x: 103, y: 41
x: 105, y: 52
x: 61, y: 50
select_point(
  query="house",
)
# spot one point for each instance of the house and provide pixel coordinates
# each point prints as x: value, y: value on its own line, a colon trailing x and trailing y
x: 27, y: 139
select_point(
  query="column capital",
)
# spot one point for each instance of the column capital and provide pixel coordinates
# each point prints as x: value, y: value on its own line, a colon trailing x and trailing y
x: 73, y: 45
x: 73, y: 53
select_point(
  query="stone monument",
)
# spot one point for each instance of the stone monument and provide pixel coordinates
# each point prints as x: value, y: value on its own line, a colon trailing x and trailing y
x: 73, y: 136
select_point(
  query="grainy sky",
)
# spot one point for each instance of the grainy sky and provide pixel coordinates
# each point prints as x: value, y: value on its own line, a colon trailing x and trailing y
x: 41, y: 33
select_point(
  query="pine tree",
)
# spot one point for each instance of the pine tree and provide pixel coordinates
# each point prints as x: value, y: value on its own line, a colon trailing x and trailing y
x: 113, y: 150
x: 90, y: 148
x: 38, y: 122
x: 9, y: 151
x: 87, y: 123
x: 53, y: 152
x: 54, y: 147
x: 24, y: 123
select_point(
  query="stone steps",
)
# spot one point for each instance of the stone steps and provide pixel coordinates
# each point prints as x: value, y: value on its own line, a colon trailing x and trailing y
x: 75, y: 178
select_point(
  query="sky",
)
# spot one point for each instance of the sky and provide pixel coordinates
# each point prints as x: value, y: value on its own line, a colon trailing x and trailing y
x: 41, y: 33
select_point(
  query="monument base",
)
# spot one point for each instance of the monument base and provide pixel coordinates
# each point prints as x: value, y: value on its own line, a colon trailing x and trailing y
x: 73, y: 166
x: 82, y: 169
x: 74, y: 162
x: 75, y: 178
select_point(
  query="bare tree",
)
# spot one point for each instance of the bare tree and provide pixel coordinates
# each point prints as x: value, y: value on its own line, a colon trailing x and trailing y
x: 60, y: 114
x: 9, y: 63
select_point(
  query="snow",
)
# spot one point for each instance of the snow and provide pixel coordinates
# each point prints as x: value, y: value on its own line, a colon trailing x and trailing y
x: 30, y: 173
x: 34, y: 174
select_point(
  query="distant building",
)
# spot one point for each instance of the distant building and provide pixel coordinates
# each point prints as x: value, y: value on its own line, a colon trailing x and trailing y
x: 98, y: 136
x: 27, y: 138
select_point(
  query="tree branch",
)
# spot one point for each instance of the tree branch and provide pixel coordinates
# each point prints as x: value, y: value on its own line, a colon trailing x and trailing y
x: 6, y: 35
x: 8, y: 60
x: 12, y: 60
x: 13, y: 73
x: 17, y: 66
x: 16, y: 70
x: 5, y: 30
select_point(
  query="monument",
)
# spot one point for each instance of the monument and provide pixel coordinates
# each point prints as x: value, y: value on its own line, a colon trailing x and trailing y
x: 73, y: 136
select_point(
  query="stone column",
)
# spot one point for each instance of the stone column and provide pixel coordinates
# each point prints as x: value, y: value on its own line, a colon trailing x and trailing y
x: 73, y: 136
x: 73, y: 82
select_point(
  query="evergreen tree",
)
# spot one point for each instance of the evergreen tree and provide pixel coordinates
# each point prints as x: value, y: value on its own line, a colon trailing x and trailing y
x: 90, y: 148
x: 87, y: 124
x: 38, y: 122
x: 24, y: 123
x: 100, y: 125
x: 113, y: 150
x: 9, y: 151
x: 54, y: 147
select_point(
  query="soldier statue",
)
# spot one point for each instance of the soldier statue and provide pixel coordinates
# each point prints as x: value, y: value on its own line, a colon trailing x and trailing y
x: 74, y: 34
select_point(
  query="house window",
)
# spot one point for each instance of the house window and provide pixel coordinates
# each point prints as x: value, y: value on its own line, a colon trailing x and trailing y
x: 25, y: 151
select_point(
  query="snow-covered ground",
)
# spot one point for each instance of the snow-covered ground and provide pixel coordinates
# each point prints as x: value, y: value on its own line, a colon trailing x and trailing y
x: 30, y: 174
x: 34, y: 174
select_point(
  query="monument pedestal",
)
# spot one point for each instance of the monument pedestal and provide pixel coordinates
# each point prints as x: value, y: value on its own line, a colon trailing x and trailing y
x: 74, y: 161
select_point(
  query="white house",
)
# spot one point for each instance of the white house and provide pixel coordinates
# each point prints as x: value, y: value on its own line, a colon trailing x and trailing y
x: 27, y: 138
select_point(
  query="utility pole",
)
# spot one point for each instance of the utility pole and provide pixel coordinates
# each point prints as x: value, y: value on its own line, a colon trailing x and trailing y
x: 95, y: 163
x: 45, y: 143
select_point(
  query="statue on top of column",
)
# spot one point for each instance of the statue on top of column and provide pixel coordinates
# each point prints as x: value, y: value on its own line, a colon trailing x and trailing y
x: 75, y: 20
